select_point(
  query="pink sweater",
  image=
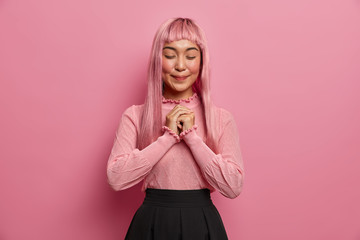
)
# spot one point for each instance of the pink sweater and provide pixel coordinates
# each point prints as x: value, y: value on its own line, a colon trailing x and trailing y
x: 177, y: 162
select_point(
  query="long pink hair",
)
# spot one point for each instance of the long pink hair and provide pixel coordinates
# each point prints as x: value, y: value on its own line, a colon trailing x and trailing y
x: 151, y: 121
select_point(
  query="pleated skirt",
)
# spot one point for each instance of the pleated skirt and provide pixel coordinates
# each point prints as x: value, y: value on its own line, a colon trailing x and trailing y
x: 177, y: 215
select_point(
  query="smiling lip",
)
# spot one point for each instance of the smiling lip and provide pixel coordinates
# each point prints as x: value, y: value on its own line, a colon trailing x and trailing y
x: 180, y: 78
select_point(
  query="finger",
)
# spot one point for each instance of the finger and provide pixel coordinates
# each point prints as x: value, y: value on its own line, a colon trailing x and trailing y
x: 179, y: 112
x: 186, y: 115
x: 181, y: 107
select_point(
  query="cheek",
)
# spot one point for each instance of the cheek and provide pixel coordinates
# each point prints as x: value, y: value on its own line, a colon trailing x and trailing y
x: 167, y: 66
x: 194, y: 67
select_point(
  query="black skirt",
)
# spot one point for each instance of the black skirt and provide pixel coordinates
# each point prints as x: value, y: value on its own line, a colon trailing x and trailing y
x: 177, y: 215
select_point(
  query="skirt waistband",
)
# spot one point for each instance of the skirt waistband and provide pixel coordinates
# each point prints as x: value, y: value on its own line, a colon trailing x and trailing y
x: 177, y: 198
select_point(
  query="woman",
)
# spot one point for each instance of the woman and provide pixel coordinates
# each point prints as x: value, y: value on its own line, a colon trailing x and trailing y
x: 178, y: 142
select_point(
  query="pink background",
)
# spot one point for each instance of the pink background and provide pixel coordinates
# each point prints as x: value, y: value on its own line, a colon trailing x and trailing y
x: 288, y: 71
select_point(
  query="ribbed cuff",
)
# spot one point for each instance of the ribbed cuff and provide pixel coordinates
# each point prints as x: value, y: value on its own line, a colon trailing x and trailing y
x: 167, y: 129
x: 183, y: 134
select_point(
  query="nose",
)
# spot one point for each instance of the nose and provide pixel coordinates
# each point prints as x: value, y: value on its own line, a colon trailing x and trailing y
x: 180, y: 64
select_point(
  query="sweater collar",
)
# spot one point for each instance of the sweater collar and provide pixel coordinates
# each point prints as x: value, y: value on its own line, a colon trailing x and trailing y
x: 189, y: 102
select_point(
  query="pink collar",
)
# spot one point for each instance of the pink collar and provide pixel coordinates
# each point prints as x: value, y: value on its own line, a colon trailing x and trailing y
x: 189, y: 102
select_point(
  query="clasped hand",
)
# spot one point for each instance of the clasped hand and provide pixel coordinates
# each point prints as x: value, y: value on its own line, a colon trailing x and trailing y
x: 180, y: 118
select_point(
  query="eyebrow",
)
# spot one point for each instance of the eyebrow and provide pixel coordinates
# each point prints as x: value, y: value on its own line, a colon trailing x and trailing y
x: 188, y: 49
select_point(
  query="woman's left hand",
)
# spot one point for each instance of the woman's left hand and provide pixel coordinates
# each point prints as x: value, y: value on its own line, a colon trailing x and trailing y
x: 186, y: 121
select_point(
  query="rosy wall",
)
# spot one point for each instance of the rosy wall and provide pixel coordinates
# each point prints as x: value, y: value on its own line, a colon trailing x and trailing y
x: 288, y: 70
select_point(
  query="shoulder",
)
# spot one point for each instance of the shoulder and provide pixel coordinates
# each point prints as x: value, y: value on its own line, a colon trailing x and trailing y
x: 133, y: 110
x: 224, y: 116
x: 133, y: 113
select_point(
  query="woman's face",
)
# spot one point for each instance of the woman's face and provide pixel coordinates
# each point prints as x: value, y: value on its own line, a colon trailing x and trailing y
x: 180, y: 67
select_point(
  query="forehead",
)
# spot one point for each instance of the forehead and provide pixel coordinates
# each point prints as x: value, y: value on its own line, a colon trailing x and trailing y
x: 181, y: 44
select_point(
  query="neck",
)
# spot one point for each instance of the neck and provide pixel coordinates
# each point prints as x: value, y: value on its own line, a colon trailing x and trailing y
x: 190, y: 102
x: 178, y: 95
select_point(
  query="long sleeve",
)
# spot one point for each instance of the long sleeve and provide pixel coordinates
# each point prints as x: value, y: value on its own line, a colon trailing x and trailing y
x: 127, y: 165
x: 223, y: 171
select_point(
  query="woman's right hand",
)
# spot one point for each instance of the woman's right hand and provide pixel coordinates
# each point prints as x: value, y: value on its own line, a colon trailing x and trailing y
x: 172, y: 116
